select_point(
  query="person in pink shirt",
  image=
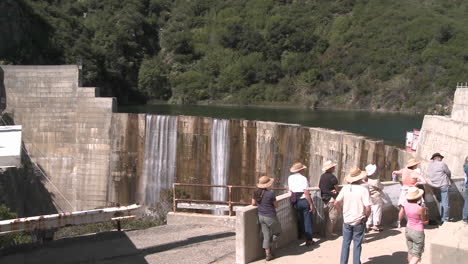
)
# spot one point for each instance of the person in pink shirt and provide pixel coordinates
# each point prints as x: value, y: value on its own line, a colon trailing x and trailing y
x: 417, y: 218
x: 409, y: 177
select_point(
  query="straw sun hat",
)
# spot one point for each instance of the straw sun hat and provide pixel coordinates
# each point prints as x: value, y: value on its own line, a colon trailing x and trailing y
x: 265, y: 182
x: 297, y: 167
x: 411, y: 163
x: 355, y: 174
x: 414, y: 193
x: 328, y: 165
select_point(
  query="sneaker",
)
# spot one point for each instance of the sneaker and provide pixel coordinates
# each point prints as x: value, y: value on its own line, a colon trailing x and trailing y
x: 269, y: 257
x: 377, y: 229
x: 310, y: 243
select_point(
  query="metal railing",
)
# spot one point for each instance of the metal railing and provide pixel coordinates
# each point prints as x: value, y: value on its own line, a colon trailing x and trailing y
x: 230, y: 203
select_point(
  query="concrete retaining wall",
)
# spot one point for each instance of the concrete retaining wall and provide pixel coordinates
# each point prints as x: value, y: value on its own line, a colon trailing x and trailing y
x: 66, y: 130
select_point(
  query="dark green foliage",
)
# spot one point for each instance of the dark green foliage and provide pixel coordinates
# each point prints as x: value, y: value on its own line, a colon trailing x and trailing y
x: 13, y: 238
x: 392, y: 55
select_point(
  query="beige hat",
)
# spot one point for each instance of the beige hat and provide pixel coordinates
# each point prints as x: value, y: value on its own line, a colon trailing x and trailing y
x: 328, y: 165
x: 265, y: 182
x: 414, y: 193
x: 411, y: 163
x: 355, y: 174
x: 297, y: 167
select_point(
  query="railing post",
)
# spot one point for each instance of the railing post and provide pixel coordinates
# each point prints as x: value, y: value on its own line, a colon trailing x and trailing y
x: 230, y: 200
x: 174, y: 203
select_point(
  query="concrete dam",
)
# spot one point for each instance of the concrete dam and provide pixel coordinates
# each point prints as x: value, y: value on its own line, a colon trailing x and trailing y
x: 94, y: 157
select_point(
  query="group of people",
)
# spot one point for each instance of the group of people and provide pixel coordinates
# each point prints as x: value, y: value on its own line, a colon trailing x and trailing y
x: 359, y: 203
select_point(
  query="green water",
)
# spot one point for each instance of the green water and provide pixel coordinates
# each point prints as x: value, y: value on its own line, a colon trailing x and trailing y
x: 391, y: 127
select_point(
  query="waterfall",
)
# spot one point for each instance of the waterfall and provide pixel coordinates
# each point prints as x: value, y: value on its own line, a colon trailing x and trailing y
x: 159, y: 165
x: 219, y: 158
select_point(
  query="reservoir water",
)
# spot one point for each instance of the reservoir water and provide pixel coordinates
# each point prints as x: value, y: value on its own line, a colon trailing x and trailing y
x: 391, y: 127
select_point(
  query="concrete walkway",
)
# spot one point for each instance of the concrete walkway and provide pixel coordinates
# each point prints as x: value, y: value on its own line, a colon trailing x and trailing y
x: 387, y: 247
x: 158, y: 245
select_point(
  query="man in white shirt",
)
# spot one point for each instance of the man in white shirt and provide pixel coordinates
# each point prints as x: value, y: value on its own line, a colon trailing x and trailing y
x: 355, y: 201
x: 299, y: 186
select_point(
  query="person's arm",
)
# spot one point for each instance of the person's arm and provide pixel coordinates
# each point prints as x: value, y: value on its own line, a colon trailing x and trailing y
x: 337, y: 202
x: 275, y: 204
x: 338, y: 205
x: 423, y: 215
x: 447, y: 171
x: 254, y: 202
x: 401, y: 214
x: 309, y: 200
x: 368, y: 211
x: 399, y: 172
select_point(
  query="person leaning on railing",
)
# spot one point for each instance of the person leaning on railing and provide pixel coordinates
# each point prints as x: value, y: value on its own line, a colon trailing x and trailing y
x: 265, y: 199
x: 301, y: 201
x: 409, y: 178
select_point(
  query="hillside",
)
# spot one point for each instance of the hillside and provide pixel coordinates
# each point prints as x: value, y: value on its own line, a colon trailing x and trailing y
x: 403, y: 55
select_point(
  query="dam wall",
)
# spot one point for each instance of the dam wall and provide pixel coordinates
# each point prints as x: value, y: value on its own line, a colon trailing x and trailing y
x: 238, y: 152
x: 447, y: 135
x: 66, y: 130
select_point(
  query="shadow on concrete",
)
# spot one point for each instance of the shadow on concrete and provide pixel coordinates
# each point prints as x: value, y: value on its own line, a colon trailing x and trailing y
x: 369, y: 237
x: 106, y: 247
x: 396, y: 257
x: 297, y: 247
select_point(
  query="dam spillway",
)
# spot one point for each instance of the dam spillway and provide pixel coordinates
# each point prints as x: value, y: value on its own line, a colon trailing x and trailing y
x: 160, y: 155
x: 96, y: 157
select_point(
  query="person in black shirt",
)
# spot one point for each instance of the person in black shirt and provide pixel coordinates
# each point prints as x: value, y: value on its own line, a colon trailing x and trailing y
x: 265, y: 199
x: 328, y: 185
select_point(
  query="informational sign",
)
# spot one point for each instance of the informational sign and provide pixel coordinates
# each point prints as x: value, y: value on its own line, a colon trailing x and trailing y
x: 10, y: 146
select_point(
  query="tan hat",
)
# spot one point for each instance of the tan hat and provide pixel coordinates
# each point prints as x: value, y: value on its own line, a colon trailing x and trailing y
x: 297, y: 167
x: 355, y: 174
x: 411, y: 163
x: 328, y: 165
x: 414, y: 193
x: 265, y: 182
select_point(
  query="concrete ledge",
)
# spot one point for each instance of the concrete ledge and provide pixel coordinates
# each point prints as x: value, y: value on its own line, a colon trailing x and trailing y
x: 450, y: 245
x: 200, y: 219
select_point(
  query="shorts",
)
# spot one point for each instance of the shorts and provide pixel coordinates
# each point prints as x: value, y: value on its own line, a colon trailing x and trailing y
x: 415, y: 242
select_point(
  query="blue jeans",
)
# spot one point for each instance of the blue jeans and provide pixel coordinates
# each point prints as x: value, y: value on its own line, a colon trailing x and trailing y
x: 442, y: 195
x: 465, y: 205
x: 305, y: 219
x: 356, y: 234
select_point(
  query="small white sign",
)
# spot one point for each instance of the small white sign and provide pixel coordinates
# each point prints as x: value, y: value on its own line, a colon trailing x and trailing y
x: 10, y: 146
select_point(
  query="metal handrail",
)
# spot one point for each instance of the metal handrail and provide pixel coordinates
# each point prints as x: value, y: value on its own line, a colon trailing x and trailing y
x: 230, y: 203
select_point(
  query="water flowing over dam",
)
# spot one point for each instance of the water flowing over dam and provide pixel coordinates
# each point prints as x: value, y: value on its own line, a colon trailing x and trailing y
x: 160, y: 156
x: 219, y: 158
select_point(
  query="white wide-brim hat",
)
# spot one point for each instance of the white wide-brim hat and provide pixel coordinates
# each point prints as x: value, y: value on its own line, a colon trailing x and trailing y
x: 370, y: 169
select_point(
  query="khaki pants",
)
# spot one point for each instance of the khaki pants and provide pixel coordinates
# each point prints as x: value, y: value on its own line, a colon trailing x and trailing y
x: 331, y: 217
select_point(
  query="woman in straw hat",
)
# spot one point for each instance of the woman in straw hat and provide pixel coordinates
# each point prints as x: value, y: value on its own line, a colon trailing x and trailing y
x: 417, y: 218
x: 265, y: 199
x: 409, y: 178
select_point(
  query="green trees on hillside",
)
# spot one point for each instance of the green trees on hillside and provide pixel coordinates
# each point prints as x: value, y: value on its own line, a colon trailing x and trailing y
x: 394, y: 55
